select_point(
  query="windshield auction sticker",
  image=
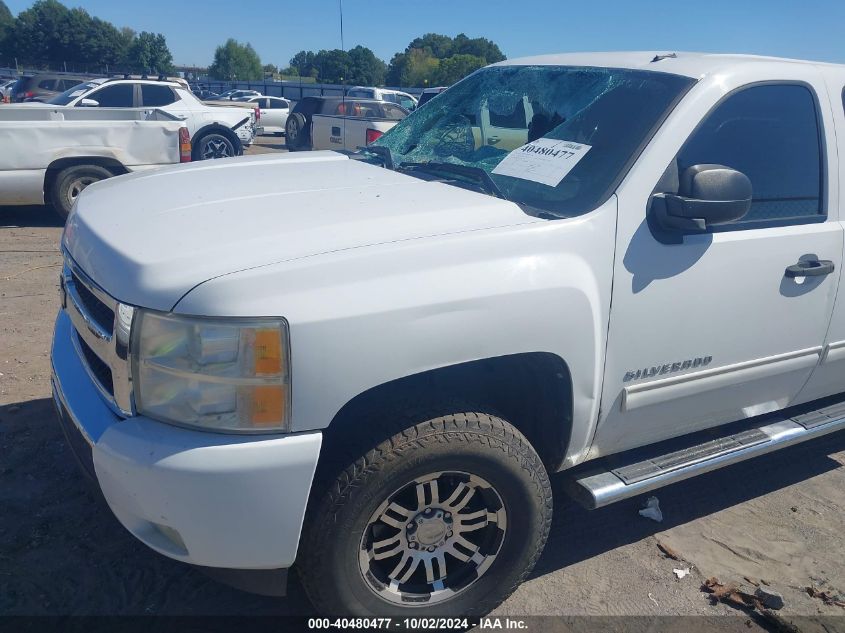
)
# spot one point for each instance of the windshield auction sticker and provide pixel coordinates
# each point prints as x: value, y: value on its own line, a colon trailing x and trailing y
x: 545, y: 160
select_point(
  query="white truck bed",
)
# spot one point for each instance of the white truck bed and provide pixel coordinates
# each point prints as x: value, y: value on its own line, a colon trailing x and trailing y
x: 34, y: 139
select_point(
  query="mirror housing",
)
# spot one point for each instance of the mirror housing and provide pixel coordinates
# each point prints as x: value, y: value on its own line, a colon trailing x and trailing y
x: 708, y: 195
x: 89, y: 103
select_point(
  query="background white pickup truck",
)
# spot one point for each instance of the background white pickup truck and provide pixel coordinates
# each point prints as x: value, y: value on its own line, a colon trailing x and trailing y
x: 626, y: 266
x: 339, y: 123
x: 52, y: 154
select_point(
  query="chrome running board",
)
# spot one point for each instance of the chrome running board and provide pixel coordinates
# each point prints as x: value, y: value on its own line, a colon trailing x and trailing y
x: 600, y: 487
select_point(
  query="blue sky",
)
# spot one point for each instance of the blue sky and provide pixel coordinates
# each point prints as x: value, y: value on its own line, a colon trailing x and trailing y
x: 812, y: 29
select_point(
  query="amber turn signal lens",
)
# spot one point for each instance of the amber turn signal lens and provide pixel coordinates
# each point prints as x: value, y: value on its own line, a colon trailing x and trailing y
x: 268, y: 405
x: 268, y: 352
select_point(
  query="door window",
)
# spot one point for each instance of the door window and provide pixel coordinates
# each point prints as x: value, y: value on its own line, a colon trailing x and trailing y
x: 118, y: 96
x: 771, y: 134
x: 278, y: 104
x: 407, y: 103
x: 157, y: 96
x: 393, y: 112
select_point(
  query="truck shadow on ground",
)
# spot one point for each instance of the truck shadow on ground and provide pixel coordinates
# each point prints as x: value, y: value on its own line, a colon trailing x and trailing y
x: 62, y: 552
x: 32, y: 216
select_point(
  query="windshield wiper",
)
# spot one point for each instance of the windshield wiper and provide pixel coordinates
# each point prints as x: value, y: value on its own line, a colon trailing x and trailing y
x: 380, y: 152
x: 476, y: 174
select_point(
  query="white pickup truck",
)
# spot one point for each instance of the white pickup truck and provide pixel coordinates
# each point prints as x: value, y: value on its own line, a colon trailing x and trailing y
x: 339, y: 123
x: 369, y: 365
x: 52, y: 154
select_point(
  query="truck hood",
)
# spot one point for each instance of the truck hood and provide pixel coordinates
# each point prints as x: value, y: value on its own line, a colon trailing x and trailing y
x: 149, y: 238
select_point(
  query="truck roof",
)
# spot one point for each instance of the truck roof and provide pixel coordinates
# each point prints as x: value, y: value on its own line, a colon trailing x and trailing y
x: 681, y: 63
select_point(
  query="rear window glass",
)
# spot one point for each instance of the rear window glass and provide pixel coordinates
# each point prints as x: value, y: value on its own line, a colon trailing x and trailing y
x: 156, y: 96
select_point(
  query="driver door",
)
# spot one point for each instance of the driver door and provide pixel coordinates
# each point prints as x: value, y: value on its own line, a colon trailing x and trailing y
x: 710, y: 328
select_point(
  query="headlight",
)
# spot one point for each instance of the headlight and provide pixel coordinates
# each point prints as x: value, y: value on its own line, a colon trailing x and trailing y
x: 216, y: 374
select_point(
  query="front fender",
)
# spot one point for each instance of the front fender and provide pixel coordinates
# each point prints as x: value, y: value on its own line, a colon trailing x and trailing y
x: 362, y: 317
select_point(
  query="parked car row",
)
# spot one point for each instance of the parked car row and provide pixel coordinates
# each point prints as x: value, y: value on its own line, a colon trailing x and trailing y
x: 86, y: 112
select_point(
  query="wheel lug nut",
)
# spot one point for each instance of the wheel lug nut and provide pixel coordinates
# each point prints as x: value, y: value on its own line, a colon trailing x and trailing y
x: 448, y: 515
x: 411, y: 526
x: 431, y: 549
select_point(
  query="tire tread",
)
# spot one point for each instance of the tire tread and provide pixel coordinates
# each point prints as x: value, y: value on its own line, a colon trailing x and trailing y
x: 490, y: 431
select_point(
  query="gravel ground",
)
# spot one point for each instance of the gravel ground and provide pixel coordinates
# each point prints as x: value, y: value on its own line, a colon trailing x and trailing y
x: 777, y: 519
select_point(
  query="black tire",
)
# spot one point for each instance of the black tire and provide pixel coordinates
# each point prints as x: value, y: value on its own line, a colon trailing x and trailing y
x: 339, y: 537
x: 216, y: 144
x: 296, y: 132
x: 70, y: 182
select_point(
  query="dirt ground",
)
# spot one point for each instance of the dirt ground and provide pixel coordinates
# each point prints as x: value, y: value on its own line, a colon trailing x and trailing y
x: 778, y: 519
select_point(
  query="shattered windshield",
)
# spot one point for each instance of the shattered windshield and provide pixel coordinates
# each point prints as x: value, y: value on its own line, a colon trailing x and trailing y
x: 555, y: 138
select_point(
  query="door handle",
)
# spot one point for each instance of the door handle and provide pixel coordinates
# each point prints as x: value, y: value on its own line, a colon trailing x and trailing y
x: 492, y: 140
x: 810, y: 268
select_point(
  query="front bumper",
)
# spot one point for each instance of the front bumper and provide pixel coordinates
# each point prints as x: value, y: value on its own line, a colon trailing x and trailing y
x: 247, y: 134
x: 207, y: 499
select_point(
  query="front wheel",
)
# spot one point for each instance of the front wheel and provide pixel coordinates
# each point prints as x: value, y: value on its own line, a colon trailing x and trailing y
x: 70, y: 182
x: 445, y: 518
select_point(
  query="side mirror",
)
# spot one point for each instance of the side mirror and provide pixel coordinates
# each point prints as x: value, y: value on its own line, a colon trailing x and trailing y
x: 707, y: 195
x: 89, y: 103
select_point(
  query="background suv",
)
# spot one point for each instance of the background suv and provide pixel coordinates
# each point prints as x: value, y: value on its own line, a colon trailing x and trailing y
x: 42, y: 87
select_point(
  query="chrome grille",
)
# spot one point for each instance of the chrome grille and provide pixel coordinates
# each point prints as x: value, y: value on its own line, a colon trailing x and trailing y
x: 98, y: 368
x: 102, y: 326
x: 98, y: 310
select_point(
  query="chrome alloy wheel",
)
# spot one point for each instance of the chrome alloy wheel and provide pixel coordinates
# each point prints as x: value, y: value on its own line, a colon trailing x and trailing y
x: 432, y: 539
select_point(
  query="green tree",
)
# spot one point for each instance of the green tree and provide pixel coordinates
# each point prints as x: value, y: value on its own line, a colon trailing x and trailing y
x: 439, y: 45
x: 7, y: 22
x: 421, y: 68
x: 332, y: 66
x: 302, y: 64
x: 38, y: 34
x: 149, y: 53
x: 270, y: 69
x: 454, y: 68
x: 50, y: 35
x: 479, y: 47
x: 234, y: 60
x: 439, y: 59
x: 364, y: 68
